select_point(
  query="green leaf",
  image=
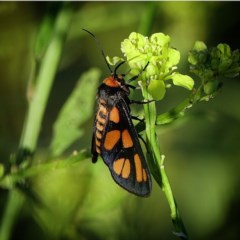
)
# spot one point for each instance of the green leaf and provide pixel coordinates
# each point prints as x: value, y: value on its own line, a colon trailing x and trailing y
x: 199, y: 46
x: 114, y: 60
x: 160, y: 39
x: 192, y: 58
x: 173, y: 57
x: 138, y: 39
x: 211, y: 87
x: 157, y: 89
x: 183, y: 81
x: 77, y: 110
x: 224, y: 49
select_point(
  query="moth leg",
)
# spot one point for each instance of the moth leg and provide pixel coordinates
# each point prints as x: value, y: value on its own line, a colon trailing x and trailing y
x: 143, y: 140
x: 138, y: 119
x: 141, y: 102
x: 137, y: 76
x: 131, y: 86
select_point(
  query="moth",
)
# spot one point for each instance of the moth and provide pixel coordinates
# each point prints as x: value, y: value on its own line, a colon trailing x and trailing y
x: 115, y: 138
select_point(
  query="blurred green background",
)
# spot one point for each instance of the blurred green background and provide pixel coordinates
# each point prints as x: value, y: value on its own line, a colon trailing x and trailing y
x: 202, y: 149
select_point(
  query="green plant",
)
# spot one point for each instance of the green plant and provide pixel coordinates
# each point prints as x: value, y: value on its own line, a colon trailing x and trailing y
x: 208, y: 66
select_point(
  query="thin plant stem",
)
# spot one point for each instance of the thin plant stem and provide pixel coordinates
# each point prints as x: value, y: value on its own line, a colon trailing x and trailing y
x: 44, y: 81
x: 11, y: 179
x: 156, y: 160
x: 15, y: 201
x: 156, y: 163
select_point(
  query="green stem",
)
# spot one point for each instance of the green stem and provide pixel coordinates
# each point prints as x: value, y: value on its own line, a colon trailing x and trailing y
x: 174, y: 113
x: 45, y: 80
x: 32, y: 126
x: 179, y: 111
x: 12, y: 179
x: 15, y: 201
x: 156, y: 163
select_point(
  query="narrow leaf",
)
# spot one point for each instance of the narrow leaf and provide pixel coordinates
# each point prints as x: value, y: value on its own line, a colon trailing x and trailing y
x: 76, y: 111
x: 183, y: 81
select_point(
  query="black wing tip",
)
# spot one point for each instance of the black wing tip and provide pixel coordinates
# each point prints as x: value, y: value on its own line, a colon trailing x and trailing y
x: 140, y: 193
x: 142, y: 189
x: 146, y: 192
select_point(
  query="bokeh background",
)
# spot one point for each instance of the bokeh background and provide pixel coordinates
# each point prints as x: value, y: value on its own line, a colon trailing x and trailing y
x: 202, y: 149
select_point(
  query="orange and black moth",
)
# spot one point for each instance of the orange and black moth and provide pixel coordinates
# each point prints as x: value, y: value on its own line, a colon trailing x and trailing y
x: 115, y: 138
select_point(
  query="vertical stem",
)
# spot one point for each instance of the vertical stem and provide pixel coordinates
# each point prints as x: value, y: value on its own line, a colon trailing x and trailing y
x: 155, y: 160
x: 32, y: 126
x: 156, y: 163
x: 15, y: 201
x: 45, y: 80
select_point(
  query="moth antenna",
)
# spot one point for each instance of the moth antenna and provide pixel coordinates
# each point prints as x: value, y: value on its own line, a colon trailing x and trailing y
x: 100, y: 47
x: 116, y: 68
x: 139, y: 74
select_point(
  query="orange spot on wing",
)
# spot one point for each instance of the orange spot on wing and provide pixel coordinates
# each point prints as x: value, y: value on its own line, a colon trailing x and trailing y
x: 118, y: 165
x: 111, y: 82
x: 114, y: 115
x: 126, y: 139
x: 144, y: 175
x: 138, y: 168
x: 111, y: 139
x: 126, y: 169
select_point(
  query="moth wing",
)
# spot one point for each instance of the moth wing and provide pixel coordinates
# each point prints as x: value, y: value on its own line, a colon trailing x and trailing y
x: 122, y: 152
